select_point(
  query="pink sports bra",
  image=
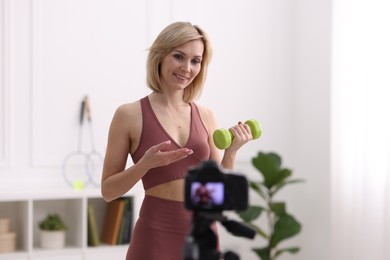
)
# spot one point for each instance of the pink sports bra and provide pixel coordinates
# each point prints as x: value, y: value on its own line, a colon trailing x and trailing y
x: 153, y: 133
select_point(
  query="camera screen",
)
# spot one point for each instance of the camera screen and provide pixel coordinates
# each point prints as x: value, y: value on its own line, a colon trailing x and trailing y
x: 207, y: 195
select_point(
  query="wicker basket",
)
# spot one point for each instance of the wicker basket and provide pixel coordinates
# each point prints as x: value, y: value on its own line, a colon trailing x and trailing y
x: 4, y: 225
x: 7, y: 242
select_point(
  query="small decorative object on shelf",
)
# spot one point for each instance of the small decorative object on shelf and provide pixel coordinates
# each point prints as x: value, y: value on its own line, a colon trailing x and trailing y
x: 53, y: 231
x: 7, y: 238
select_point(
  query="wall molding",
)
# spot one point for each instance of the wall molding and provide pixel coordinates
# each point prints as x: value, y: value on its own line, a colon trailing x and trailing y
x: 4, y: 85
x: 35, y: 97
x: 39, y: 156
x: 52, y: 138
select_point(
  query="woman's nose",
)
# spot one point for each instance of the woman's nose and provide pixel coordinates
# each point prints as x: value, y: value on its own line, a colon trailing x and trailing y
x: 185, y: 66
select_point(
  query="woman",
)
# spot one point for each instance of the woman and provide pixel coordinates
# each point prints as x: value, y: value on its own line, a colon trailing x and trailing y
x: 165, y: 134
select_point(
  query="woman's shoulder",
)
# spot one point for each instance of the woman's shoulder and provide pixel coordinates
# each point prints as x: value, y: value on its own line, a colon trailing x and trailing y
x: 207, y: 115
x: 128, y: 110
x: 204, y: 111
x: 128, y: 106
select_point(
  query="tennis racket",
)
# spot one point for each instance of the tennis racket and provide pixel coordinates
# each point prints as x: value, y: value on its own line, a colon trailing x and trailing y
x: 81, y: 168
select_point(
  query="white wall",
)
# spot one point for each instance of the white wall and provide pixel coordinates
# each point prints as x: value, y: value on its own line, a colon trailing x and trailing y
x: 271, y: 62
x: 311, y: 128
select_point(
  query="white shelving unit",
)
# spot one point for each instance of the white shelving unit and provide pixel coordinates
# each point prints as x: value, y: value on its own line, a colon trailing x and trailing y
x: 27, y: 210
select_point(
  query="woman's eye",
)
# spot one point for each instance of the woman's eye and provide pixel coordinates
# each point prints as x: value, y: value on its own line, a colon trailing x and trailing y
x: 178, y: 56
x: 196, y: 61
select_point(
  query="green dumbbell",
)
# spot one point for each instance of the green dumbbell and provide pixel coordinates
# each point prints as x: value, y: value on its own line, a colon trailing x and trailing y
x: 223, y: 137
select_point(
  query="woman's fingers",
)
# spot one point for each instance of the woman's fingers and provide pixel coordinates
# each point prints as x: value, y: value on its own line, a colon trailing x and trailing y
x: 158, y: 155
x: 176, y: 155
x: 242, y: 134
x: 161, y: 146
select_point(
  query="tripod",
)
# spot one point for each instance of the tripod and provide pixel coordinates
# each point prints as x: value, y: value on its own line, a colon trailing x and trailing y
x: 201, y: 243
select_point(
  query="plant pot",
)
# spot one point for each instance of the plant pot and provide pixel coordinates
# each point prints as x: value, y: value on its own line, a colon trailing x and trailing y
x: 52, y: 239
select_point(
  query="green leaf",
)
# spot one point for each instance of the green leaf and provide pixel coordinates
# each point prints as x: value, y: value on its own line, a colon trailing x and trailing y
x: 269, y: 166
x: 280, y: 176
x: 285, y: 227
x: 252, y: 213
x: 291, y: 250
x: 267, y: 162
x: 52, y: 222
x: 263, y: 253
x: 258, y: 188
x: 284, y: 183
x: 279, y: 208
x: 259, y: 231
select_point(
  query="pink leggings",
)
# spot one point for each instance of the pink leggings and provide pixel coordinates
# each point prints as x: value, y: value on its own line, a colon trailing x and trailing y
x: 160, y: 230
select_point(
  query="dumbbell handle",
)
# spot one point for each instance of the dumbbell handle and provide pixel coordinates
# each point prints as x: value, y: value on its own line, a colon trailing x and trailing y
x: 223, y: 137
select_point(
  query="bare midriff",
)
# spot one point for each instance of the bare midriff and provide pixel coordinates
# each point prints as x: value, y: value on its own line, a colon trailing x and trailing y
x: 173, y: 190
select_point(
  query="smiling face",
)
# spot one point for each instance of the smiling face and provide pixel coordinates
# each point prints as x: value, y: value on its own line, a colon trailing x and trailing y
x: 181, y: 66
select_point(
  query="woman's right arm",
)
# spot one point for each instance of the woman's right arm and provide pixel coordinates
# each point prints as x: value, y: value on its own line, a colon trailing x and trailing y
x: 116, y: 179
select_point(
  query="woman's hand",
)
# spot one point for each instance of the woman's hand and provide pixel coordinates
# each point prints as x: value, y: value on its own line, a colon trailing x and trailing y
x: 157, y: 155
x: 242, y: 134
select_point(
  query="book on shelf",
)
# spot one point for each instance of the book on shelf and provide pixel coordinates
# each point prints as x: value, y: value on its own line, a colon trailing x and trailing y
x: 129, y: 223
x: 93, y: 234
x: 126, y: 223
x: 112, y: 221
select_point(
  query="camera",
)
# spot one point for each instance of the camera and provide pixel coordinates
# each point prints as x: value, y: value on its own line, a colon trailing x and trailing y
x: 208, y: 188
x: 209, y: 191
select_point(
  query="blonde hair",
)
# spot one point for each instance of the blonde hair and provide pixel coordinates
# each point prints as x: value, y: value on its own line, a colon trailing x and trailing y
x: 169, y: 38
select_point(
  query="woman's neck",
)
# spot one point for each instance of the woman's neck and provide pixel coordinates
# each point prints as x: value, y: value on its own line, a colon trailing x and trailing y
x: 171, y: 101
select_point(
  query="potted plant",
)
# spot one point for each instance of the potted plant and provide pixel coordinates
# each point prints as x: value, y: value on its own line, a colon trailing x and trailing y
x: 280, y: 225
x: 52, y: 232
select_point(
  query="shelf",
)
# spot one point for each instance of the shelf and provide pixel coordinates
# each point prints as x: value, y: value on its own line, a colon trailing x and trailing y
x: 71, y: 211
x: 17, y: 211
x: 27, y: 212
